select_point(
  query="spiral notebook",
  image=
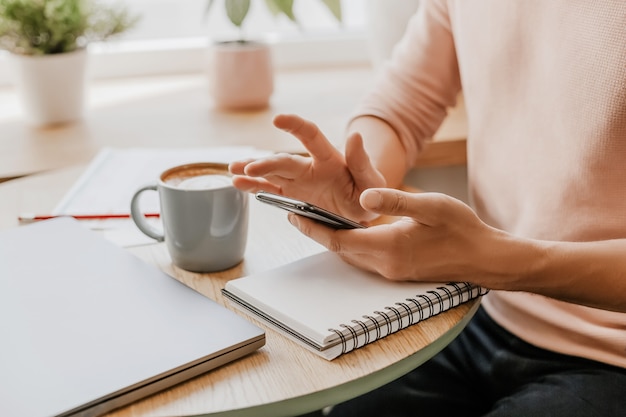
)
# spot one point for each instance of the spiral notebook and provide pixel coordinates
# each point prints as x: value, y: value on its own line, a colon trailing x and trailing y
x: 332, y: 308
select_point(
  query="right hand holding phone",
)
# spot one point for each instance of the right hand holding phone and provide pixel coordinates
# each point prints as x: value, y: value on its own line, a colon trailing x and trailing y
x: 326, y: 178
x: 435, y: 237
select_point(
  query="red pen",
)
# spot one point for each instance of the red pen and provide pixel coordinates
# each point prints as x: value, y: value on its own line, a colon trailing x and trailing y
x: 34, y: 217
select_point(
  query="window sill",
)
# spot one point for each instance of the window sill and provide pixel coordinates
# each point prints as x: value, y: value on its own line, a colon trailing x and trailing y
x: 175, y: 56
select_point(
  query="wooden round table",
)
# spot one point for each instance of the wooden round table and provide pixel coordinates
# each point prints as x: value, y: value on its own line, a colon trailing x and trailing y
x: 281, y: 378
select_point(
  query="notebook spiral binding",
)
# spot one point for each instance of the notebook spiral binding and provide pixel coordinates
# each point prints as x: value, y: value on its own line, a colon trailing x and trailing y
x: 404, y: 314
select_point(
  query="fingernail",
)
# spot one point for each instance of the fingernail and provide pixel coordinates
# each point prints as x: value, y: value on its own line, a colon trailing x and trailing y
x: 292, y: 219
x: 372, y: 199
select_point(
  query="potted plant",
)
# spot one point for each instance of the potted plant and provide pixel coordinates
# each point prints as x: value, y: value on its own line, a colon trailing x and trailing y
x: 48, y: 42
x: 241, y: 70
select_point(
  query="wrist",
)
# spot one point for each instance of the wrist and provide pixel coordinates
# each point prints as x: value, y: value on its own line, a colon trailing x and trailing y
x: 513, y: 263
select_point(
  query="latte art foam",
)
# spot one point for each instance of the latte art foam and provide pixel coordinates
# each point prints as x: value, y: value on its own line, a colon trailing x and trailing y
x: 205, y: 182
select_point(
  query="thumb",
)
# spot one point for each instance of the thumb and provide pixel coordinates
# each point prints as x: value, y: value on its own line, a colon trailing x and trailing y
x: 360, y: 165
x: 426, y: 208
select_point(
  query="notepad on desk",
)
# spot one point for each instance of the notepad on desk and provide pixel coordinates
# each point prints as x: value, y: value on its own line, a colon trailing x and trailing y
x: 332, y: 308
x: 114, y: 174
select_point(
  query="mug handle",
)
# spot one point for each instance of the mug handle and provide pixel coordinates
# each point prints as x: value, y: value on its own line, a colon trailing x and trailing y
x: 140, y: 219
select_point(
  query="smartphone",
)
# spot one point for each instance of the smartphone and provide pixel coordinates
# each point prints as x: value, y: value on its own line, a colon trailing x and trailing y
x: 309, y: 210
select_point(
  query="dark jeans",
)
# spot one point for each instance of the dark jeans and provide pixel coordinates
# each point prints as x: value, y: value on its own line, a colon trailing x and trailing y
x: 487, y: 371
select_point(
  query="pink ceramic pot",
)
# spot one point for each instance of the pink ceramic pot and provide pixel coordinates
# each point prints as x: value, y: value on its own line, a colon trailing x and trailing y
x: 241, y: 75
x: 51, y: 87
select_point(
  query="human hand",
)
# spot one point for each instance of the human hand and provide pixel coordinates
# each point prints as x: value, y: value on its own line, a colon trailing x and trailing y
x: 437, y: 238
x: 326, y: 178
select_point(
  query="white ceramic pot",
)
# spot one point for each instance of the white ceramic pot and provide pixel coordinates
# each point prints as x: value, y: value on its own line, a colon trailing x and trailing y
x: 241, y: 75
x: 387, y: 21
x: 51, y: 87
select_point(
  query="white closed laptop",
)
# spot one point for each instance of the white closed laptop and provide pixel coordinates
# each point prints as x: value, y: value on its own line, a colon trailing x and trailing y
x: 87, y: 327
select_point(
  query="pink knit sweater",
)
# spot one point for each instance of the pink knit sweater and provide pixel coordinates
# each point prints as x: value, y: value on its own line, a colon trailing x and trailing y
x: 545, y: 88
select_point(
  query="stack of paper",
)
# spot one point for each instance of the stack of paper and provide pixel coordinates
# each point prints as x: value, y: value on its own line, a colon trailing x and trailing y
x: 109, y: 182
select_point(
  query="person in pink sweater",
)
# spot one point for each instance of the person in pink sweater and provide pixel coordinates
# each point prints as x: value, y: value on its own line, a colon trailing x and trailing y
x: 545, y: 89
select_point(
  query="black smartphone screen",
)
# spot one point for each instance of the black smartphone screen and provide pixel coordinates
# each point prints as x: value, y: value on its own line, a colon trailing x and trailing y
x: 309, y: 210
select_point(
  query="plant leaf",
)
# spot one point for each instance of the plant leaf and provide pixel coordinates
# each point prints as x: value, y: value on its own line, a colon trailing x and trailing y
x: 30, y: 27
x: 237, y: 11
x: 272, y: 7
x: 285, y: 7
x: 335, y: 8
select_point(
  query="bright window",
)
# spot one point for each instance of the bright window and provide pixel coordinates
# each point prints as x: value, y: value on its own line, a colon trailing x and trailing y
x: 172, y: 36
x: 188, y: 18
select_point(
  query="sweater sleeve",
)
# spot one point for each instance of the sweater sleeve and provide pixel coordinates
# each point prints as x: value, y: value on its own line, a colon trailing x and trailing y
x: 420, y: 81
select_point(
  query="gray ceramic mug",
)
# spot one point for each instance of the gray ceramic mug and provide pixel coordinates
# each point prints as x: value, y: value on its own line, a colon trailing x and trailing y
x: 204, y: 217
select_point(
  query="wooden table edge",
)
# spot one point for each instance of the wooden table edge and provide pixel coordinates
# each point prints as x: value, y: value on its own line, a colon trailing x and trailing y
x: 352, y: 389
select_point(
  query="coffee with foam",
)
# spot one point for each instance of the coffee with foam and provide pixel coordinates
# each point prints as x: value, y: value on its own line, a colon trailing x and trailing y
x: 205, y: 182
x: 204, y: 217
x: 198, y: 177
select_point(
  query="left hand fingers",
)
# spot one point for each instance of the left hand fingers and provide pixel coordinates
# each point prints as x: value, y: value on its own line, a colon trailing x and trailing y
x: 253, y: 185
x: 280, y: 165
x: 309, y: 134
x: 237, y: 167
x: 360, y: 165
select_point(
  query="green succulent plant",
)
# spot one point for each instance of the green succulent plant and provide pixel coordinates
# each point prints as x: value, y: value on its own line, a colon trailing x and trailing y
x: 237, y: 10
x: 43, y: 27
